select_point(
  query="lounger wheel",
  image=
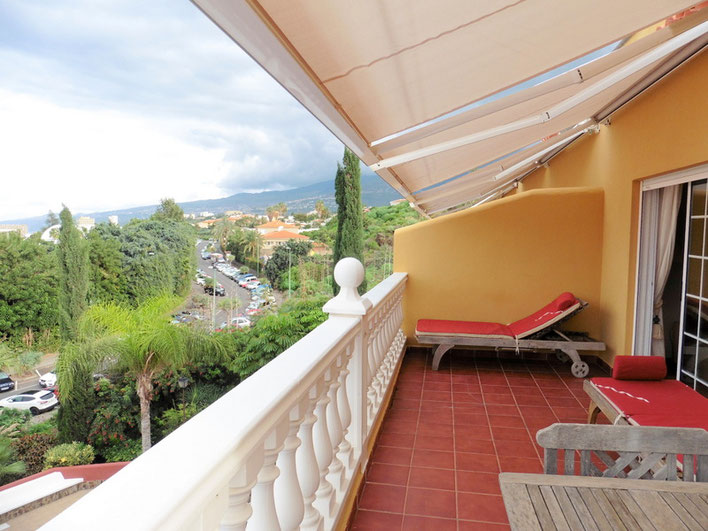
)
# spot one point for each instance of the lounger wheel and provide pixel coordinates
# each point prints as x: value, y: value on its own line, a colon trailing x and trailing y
x: 580, y: 369
x: 562, y: 356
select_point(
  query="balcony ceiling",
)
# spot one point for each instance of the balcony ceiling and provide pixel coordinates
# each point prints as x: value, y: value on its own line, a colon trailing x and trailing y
x: 453, y: 101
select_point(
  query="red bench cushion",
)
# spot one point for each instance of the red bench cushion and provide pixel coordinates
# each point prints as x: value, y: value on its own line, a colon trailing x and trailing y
x: 434, y: 327
x: 656, y: 403
x: 639, y: 368
x: 565, y: 304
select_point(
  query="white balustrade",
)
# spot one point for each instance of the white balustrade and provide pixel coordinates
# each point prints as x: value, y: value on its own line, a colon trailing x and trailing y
x: 282, y: 449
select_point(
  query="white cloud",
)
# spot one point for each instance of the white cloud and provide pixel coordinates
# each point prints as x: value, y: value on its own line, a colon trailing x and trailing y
x: 115, y: 103
x: 95, y: 160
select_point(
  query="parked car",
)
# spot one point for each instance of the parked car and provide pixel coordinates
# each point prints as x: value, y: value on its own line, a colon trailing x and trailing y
x: 240, y: 322
x: 34, y: 401
x: 6, y: 383
x: 252, y: 284
x: 220, y: 291
x: 245, y: 280
x: 48, y: 379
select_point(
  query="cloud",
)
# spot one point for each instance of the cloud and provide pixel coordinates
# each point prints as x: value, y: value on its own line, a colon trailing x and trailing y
x: 147, y: 96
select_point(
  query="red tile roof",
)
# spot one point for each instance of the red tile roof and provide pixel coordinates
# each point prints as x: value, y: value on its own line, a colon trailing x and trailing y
x: 284, y: 235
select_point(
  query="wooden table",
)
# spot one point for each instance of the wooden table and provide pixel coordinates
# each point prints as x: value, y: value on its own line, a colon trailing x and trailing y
x: 539, y: 501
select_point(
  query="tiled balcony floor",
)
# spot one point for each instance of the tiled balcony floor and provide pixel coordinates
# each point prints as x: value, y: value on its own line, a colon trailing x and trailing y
x: 449, y: 433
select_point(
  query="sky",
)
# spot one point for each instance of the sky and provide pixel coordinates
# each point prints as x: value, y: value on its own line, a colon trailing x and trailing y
x: 108, y: 104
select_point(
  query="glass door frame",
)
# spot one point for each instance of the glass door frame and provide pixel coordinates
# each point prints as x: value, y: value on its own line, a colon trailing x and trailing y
x: 646, y: 257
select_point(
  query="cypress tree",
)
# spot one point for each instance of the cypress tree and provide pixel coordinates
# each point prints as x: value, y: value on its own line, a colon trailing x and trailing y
x: 350, y: 215
x: 72, y: 253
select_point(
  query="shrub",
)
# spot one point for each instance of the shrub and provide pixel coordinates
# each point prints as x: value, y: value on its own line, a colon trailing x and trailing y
x: 31, y: 450
x: 48, y: 426
x: 14, y: 417
x: 172, y: 419
x: 69, y: 454
x: 123, y: 451
x: 29, y: 359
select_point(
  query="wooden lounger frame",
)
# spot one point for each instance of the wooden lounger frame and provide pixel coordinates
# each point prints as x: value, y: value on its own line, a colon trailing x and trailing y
x: 567, y: 343
x: 599, y: 402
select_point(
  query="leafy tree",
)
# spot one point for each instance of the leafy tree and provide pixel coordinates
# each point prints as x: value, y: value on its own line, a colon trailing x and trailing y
x: 284, y: 256
x: 322, y: 210
x: 106, y: 269
x: 222, y: 231
x: 168, y: 209
x: 72, y: 253
x: 350, y: 232
x: 75, y: 376
x: 28, y: 286
x: 252, y: 243
x: 142, y: 342
x: 52, y: 219
x: 277, y: 210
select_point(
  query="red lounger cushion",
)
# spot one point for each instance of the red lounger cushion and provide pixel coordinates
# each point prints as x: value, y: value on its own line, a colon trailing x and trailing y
x: 565, y: 304
x: 639, y: 368
x: 656, y: 403
x: 434, y: 327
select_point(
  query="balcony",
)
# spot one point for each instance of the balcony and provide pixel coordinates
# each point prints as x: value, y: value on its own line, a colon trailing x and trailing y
x: 309, y: 441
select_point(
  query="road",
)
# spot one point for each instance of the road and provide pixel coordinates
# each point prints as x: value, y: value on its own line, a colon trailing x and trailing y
x: 233, y: 290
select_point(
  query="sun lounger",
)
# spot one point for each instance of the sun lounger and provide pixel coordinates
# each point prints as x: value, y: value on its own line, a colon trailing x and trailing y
x: 638, y: 395
x: 538, y: 331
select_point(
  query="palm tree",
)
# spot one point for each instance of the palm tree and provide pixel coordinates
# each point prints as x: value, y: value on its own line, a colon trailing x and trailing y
x: 141, y: 341
x: 8, y: 465
x: 252, y: 244
x: 222, y: 230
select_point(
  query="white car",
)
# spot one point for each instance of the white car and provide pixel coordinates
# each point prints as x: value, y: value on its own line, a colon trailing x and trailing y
x: 48, y: 379
x: 240, y: 322
x: 35, y: 401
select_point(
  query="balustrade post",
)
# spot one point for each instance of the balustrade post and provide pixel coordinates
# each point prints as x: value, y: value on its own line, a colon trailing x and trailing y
x: 345, y: 453
x: 289, y: 501
x: 262, y: 496
x: 349, y: 274
x: 308, y: 471
x: 239, y: 509
x: 337, y: 473
x: 325, y: 496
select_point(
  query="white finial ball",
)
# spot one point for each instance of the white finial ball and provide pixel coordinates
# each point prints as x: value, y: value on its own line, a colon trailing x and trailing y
x: 349, y: 273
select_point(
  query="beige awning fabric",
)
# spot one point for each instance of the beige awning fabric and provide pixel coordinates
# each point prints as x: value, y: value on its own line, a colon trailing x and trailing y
x: 376, y: 73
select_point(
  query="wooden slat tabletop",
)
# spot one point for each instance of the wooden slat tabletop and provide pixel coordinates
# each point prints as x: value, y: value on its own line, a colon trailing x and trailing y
x: 539, y: 501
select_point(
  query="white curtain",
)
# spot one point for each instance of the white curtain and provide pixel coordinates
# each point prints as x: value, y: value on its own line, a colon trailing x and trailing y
x: 669, y: 202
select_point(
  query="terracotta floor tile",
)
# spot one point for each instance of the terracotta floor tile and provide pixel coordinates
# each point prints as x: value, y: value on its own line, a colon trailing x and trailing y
x: 376, y: 521
x: 480, y: 482
x: 426, y: 427
x: 510, y: 434
x: 479, y: 446
x: 377, y: 497
x: 472, y: 432
x: 521, y: 464
x: 392, y: 456
x: 437, y: 386
x: 531, y: 400
x: 476, y: 462
x: 470, y: 419
x: 410, y: 415
x: 433, y: 459
x: 432, y: 478
x: 431, y: 502
x: 391, y: 474
x: 483, y: 507
x: 399, y: 440
x: 467, y: 525
x: 437, y: 396
x: 467, y: 397
x: 506, y: 421
x: 515, y: 448
x: 404, y: 403
x: 422, y: 523
x: 431, y: 442
x: 502, y: 409
x: 399, y: 426
x: 499, y: 399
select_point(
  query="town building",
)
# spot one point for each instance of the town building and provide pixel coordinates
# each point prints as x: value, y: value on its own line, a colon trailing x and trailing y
x: 276, y: 225
x: 21, y: 229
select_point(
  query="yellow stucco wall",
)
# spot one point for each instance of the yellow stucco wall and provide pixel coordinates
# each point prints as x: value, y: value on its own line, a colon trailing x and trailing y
x: 663, y: 130
x: 490, y: 262
x: 504, y: 260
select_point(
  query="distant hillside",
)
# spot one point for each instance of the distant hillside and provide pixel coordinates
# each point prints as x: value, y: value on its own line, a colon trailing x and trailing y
x: 374, y: 192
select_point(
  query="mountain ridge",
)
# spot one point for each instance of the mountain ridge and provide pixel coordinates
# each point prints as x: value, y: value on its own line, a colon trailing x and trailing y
x: 374, y: 192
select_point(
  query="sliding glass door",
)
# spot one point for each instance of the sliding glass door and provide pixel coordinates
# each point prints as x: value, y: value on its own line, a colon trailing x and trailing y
x: 693, y: 352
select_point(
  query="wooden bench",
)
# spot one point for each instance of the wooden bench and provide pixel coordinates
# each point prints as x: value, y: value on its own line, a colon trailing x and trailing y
x: 633, y: 452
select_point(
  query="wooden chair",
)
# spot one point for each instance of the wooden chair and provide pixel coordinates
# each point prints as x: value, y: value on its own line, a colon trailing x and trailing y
x: 635, y: 452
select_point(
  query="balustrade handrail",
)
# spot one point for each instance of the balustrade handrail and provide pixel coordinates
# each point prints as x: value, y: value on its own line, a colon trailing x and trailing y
x: 173, y: 485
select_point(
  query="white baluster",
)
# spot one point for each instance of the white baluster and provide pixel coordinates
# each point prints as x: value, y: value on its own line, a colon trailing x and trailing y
x: 289, y: 502
x: 308, y: 471
x: 325, y: 495
x: 334, y: 425
x: 262, y: 497
x: 346, y: 454
x: 239, y: 509
x: 370, y: 390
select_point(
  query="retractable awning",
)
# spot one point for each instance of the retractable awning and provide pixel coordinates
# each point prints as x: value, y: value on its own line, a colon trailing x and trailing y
x: 453, y: 101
